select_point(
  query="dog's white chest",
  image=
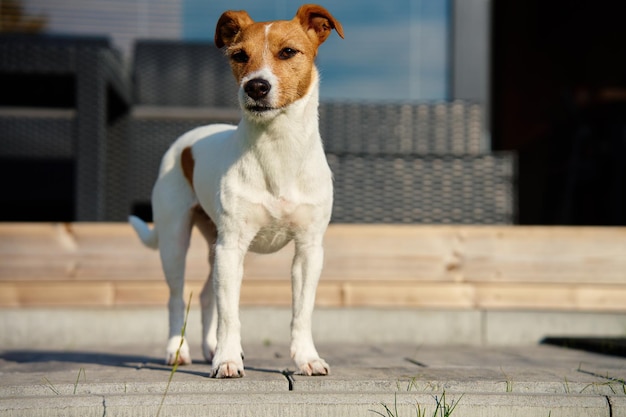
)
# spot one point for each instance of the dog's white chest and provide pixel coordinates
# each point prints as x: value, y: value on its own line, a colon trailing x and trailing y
x: 277, y: 219
x: 269, y: 184
x: 284, y: 209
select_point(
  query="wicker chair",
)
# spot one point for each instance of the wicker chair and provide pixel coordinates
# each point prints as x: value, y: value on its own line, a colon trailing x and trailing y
x: 407, y: 128
x: 415, y: 163
x: 63, y: 99
x: 414, y: 188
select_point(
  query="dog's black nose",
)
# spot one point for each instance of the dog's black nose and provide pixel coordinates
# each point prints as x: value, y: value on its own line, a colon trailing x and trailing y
x: 257, y: 88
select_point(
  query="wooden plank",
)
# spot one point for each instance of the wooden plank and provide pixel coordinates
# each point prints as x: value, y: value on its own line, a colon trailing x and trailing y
x: 478, y: 253
x: 376, y: 252
x: 394, y: 294
x: 544, y: 254
x: 83, y: 252
x: 27, y: 250
x: 9, y: 296
x: 578, y: 297
x: 142, y: 293
x: 372, y: 252
x: 409, y: 294
x: 379, y: 265
x: 52, y: 294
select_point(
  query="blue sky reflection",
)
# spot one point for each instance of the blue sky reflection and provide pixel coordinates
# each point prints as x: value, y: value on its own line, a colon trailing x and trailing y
x: 393, y: 50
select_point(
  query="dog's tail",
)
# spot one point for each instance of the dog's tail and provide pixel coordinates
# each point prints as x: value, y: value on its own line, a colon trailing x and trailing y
x: 148, y: 236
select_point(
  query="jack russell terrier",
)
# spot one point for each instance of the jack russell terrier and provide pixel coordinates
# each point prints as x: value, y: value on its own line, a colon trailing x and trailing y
x: 252, y: 187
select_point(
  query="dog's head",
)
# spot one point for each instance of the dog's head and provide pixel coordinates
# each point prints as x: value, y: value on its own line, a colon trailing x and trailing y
x: 273, y: 62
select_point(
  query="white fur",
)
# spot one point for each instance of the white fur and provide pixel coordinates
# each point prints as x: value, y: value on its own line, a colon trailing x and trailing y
x: 264, y: 183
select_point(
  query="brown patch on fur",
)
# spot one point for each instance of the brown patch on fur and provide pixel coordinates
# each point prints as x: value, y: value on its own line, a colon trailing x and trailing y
x: 318, y: 22
x: 229, y: 25
x: 187, y: 163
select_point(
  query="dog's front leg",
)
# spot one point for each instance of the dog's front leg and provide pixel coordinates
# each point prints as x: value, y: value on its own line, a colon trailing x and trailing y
x: 305, y: 273
x: 209, y: 315
x: 228, y: 359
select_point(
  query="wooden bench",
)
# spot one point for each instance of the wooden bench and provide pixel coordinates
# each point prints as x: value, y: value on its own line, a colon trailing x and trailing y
x: 404, y: 266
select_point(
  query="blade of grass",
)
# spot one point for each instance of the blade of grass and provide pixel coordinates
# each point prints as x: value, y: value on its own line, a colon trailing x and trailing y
x: 442, y: 406
x: 78, y: 378
x: 453, y: 405
x: 175, y: 367
x: 49, y: 385
x: 389, y: 412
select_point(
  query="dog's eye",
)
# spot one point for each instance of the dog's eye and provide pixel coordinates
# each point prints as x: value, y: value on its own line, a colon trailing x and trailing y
x: 287, y: 53
x: 240, y: 57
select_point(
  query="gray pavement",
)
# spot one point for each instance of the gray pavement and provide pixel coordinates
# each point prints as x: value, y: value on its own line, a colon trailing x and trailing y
x: 366, y: 380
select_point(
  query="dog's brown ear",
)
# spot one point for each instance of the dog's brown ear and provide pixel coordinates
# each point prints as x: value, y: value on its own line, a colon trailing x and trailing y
x: 318, y: 22
x: 229, y: 25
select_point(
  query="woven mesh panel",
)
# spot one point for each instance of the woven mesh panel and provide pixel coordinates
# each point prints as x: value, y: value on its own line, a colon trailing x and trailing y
x: 445, y: 128
x: 423, y: 188
x: 91, y: 144
x: 117, y: 170
x: 176, y: 73
x: 24, y: 136
x: 91, y: 75
x: 19, y: 57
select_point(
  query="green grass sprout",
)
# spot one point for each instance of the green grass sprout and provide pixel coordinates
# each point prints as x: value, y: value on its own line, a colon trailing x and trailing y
x: 175, y: 367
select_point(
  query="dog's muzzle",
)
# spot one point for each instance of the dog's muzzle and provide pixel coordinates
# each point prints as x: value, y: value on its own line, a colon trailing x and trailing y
x: 257, y: 89
x: 257, y: 97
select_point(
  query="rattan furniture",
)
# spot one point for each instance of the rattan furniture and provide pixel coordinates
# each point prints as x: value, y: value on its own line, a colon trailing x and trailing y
x: 65, y: 98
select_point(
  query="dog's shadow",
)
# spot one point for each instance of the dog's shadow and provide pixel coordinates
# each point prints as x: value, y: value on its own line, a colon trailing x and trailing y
x: 106, y: 359
x: 95, y: 358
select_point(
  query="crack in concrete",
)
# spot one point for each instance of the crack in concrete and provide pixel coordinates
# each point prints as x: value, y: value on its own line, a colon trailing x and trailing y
x: 290, y: 379
x: 608, y: 401
x: 104, y: 406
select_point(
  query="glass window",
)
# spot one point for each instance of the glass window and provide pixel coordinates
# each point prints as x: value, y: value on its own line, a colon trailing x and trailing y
x: 393, y: 50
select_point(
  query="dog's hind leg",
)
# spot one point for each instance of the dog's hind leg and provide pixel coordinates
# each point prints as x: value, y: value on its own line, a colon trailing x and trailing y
x: 173, y: 220
x: 173, y: 250
x: 207, y: 296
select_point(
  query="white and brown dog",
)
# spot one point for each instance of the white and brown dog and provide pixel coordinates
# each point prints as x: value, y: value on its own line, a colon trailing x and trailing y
x: 256, y: 187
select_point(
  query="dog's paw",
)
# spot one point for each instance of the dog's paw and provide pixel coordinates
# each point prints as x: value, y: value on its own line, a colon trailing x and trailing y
x: 308, y: 360
x: 177, y: 353
x: 315, y: 367
x: 228, y: 369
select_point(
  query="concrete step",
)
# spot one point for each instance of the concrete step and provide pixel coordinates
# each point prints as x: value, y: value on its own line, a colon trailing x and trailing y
x: 326, y: 404
x: 366, y: 380
x: 60, y: 328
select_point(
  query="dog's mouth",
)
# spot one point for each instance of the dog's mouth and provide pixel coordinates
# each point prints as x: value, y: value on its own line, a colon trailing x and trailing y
x: 259, y: 108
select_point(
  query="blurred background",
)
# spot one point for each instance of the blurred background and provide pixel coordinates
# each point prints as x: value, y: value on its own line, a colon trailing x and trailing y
x: 525, y: 98
x: 454, y: 112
